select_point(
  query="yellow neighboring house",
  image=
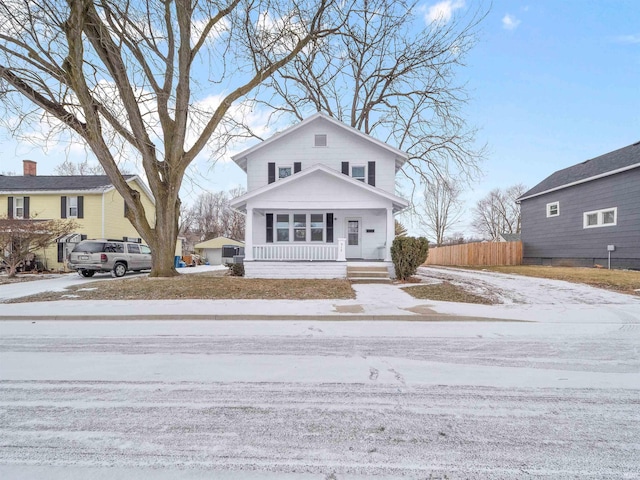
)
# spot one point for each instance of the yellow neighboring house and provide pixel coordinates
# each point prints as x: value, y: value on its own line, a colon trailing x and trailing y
x: 91, y: 200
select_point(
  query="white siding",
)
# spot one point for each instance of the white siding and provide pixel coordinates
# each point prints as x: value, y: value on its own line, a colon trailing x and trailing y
x: 325, y: 270
x: 342, y: 146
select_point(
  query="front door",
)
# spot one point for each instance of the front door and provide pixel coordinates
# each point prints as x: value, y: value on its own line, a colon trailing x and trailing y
x: 354, y: 238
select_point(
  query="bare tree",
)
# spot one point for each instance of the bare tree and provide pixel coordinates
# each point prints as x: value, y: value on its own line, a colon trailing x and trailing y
x: 498, y: 212
x: 211, y: 216
x: 134, y: 80
x: 400, y: 229
x: 20, y: 238
x: 441, y: 208
x: 387, y: 75
x: 81, y: 168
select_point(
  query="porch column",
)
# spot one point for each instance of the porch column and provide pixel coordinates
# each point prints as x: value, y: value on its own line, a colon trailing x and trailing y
x: 391, y: 234
x: 248, y: 236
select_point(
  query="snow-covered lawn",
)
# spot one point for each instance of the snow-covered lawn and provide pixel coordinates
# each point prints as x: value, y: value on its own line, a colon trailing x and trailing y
x: 321, y: 400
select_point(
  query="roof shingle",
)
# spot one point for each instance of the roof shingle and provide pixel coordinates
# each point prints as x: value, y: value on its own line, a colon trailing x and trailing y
x: 609, y: 162
x: 11, y: 183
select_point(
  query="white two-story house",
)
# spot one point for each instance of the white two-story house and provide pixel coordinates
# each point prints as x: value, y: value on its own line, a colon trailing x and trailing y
x: 319, y: 194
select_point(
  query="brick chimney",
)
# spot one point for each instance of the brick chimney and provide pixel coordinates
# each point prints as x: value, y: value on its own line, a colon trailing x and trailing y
x: 29, y: 168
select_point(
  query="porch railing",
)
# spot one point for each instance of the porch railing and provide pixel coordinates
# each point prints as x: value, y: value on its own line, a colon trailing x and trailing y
x: 303, y: 252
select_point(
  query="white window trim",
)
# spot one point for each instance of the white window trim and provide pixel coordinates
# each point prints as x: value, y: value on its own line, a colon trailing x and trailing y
x: 549, y: 205
x: 292, y: 228
x: 278, y: 167
x: 600, y: 215
x: 15, y: 207
x: 69, y: 207
x: 364, y: 167
x: 315, y: 140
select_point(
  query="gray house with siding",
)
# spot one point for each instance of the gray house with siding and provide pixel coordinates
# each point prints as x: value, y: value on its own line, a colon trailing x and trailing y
x: 582, y: 214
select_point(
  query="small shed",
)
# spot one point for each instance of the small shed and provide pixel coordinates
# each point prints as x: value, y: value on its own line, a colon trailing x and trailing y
x: 212, y: 249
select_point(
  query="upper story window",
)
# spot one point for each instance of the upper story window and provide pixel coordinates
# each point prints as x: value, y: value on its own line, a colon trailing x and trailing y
x: 601, y: 218
x: 18, y: 207
x: 553, y: 209
x: 284, y: 172
x: 72, y: 207
x: 359, y: 172
x: 320, y: 140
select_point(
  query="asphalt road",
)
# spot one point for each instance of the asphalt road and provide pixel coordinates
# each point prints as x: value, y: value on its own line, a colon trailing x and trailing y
x: 319, y: 400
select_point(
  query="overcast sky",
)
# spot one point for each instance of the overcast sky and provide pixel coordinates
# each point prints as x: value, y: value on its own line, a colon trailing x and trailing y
x: 553, y: 83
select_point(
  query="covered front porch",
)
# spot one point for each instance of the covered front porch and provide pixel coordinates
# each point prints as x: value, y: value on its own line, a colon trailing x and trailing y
x: 312, y: 235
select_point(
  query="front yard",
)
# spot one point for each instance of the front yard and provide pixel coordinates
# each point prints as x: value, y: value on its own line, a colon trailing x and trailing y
x: 214, y: 286
x: 623, y: 281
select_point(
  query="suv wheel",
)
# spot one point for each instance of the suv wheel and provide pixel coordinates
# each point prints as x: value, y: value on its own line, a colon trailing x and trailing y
x: 87, y: 273
x: 119, y: 269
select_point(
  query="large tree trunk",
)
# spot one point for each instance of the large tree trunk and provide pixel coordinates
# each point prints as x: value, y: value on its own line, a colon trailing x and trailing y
x: 163, y: 243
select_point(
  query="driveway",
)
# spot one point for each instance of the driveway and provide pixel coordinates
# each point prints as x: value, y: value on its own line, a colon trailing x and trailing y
x: 533, y: 299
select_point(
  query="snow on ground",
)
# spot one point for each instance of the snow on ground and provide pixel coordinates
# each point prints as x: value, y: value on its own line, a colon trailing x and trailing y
x: 59, y: 282
x: 542, y: 300
x: 319, y: 400
x: 519, y: 289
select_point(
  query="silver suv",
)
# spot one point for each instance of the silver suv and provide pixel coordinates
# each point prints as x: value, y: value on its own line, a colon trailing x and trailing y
x: 115, y: 256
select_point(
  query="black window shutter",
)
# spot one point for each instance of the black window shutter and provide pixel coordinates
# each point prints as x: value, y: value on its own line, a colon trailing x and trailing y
x: 60, y: 252
x: 372, y: 173
x: 345, y: 168
x: 272, y: 172
x: 297, y: 166
x: 329, y: 227
x: 269, y: 227
x: 9, y: 207
x: 63, y: 207
x: 80, y: 207
x: 25, y: 209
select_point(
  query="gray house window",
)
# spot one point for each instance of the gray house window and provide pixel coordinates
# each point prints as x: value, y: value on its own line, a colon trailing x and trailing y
x: 553, y: 209
x: 606, y: 217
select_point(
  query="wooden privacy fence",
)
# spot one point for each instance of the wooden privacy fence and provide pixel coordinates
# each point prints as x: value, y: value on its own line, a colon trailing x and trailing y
x: 477, y: 254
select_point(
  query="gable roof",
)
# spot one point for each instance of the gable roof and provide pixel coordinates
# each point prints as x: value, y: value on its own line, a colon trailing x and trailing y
x: 218, y: 242
x: 241, y: 160
x: 43, y: 183
x: 611, y: 163
x: 19, y: 184
x: 239, y: 203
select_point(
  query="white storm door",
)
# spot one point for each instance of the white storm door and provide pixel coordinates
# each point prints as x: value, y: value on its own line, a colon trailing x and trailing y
x: 354, y: 237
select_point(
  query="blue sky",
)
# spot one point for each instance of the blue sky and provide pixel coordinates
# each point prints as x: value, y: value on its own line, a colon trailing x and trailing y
x: 553, y: 83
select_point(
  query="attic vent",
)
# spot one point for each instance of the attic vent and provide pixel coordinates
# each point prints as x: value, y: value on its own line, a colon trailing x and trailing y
x: 321, y: 140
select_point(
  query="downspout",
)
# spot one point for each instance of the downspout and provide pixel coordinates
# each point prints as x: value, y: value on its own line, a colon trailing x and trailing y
x: 102, y: 221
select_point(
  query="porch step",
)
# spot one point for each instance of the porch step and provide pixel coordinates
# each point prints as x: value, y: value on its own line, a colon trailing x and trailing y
x: 368, y: 274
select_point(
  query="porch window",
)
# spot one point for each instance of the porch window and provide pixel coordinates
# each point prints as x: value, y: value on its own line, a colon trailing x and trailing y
x: 358, y: 172
x: 317, y: 227
x: 282, y: 227
x: 300, y: 227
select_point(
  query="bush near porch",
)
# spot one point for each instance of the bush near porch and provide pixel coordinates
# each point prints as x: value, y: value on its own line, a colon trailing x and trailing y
x: 407, y: 254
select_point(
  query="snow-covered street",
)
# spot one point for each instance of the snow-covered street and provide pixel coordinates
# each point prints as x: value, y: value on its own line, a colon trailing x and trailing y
x: 324, y: 400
